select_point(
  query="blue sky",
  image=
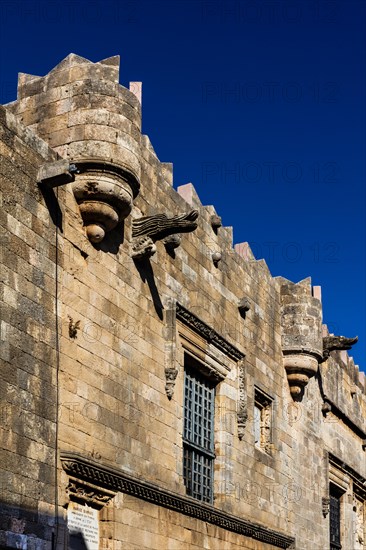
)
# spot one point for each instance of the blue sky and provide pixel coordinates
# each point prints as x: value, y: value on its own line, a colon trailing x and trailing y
x: 261, y: 105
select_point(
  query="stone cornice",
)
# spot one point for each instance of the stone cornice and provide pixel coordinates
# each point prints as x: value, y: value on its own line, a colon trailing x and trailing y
x: 109, y: 478
x: 208, y: 333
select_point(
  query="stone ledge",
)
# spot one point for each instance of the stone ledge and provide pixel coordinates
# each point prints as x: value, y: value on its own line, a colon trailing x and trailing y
x: 113, y: 479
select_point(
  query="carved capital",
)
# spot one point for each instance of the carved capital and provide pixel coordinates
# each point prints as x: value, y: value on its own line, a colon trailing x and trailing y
x: 149, y: 229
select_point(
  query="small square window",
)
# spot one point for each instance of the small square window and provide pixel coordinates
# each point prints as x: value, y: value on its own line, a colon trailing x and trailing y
x: 262, y: 420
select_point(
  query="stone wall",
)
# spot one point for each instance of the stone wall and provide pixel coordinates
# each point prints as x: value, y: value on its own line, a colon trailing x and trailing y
x: 92, y: 334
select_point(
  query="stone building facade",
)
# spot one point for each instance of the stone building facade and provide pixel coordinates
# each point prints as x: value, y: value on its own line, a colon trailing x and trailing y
x: 159, y: 388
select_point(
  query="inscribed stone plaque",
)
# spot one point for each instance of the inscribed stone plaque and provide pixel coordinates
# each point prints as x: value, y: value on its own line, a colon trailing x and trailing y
x: 83, y: 524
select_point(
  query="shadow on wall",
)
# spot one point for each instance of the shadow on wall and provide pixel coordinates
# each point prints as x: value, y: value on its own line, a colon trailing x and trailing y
x: 28, y: 529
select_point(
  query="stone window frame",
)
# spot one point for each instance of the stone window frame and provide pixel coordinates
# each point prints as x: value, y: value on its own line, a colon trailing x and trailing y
x: 263, y: 420
x: 216, y: 357
x: 350, y: 486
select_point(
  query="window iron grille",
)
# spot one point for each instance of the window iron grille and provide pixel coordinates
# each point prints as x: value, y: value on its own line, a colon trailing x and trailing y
x: 198, y: 436
x: 335, y: 521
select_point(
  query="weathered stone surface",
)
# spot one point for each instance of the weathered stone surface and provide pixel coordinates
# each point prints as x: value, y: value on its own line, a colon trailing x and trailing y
x: 93, y: 350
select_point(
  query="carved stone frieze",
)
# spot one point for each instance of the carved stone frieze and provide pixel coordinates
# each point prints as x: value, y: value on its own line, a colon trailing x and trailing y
x: 336, y: 343
x: 116, y: 480
x: 208, y: 333
x: 149, y: 229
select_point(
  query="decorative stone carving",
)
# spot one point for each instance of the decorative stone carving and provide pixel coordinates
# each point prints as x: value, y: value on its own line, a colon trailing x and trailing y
x: 171, y: 368
x: 172, y: 242
x: 325, y: 506
x: 114, y: 480
x: 242, y: 415
x: 105, y: 196
x: 244, y: 306
x: 299, y: 368
x: 73, y: 328
x: 89, y: 493
x: 216, y: 258
x: 208, y: 333
x: 326, y: 408
x: 216, y: 222
x: 149, y: 229
x: 336, y: 343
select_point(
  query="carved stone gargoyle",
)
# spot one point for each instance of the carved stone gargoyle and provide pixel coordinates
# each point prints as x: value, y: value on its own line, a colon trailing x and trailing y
x: 149, y: 229
x: 333, y: 343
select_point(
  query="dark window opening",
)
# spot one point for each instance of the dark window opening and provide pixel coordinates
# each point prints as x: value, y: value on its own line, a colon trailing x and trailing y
x: 335, y: 518
x: 198, y: 434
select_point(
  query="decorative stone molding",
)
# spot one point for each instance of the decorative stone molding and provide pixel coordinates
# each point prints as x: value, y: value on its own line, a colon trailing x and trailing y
x: 105, y: 196
x: 88, y: 493
x: 336, y: 343
x: 208, y: 333
x: 149, y: 229
x: 242, y: 414
x: 115, y: 480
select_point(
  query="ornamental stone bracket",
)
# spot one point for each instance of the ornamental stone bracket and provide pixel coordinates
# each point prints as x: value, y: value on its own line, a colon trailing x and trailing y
x: 114, y: 480
x: 149, y: 229
x: 301, y: 326
x: 88, y: 493
x: 336, y: 343
x: 104, y: 193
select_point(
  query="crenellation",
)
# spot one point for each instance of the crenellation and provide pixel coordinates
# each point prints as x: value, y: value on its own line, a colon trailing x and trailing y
x: 96, y: 356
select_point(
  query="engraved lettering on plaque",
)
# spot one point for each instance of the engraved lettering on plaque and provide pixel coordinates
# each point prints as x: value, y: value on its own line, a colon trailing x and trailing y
x: 83, y: 524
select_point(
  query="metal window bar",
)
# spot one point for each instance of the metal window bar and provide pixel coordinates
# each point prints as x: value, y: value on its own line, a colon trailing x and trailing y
x: 198, y: 440
x: 335, y: 522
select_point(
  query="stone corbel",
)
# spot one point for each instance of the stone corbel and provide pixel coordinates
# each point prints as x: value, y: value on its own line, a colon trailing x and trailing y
x: 244, y: 306
x: 105, y: 194
x: 336, y: 343
x: 88, y: 493
x: 149, y: 229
